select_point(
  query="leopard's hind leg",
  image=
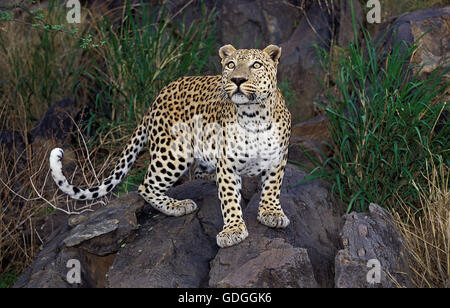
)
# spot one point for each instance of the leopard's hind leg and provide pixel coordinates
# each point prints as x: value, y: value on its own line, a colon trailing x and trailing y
x: 167, y: 165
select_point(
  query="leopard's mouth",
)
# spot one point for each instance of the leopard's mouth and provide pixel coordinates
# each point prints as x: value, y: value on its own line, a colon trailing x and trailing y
x: 239, y: 98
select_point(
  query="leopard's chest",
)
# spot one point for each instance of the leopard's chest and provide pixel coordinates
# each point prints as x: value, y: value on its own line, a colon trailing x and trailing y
x: 256, y: 151
x: 249, y: 151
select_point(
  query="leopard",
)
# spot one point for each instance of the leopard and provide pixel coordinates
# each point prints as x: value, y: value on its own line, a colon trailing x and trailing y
x: 228, y: 126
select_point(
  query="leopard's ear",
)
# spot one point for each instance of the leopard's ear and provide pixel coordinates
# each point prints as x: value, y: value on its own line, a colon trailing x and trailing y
x: 226, y: 50
x: 274, y: 52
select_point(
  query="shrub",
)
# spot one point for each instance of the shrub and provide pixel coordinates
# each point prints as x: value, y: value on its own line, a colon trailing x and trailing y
x: 383, y: 124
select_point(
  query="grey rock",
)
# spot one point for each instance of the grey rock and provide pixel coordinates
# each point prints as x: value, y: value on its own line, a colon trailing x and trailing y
x: 103, y: 231
x: 371, y: 236
x: 262, y: 263
x: 315, y: 224
x: 172, y: 251
x: 83, y: 233
x: 428, y: 27
x: 92, y: 238
x: 300, y: 60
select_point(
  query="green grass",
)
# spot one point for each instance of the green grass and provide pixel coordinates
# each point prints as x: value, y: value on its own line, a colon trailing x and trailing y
x: 140, y: 56
x: 288, y: 95
x: 134, y: 178
x: 8, y: 279
x: 383, y: 122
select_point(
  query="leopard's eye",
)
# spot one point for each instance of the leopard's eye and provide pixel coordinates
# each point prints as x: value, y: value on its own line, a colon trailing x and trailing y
x: 230, y: 65
x: 257, y: 65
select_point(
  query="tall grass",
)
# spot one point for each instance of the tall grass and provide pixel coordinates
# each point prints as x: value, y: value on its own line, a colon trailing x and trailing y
x: 427, y: 236
x: 146, y: 51
x: 39, y: 65
x: 383, y: 123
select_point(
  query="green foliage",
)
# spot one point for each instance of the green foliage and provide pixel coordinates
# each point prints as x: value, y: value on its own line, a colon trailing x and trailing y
x: 288, y: 95
x: 9, y: 278
x: 383, y: 123
x: 134, y: 178
x: 140, y: 56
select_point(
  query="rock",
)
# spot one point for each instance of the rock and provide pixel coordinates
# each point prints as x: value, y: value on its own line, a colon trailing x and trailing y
x: 315, y: 225
x: 93, y: 232
x: 57, y: 124
x: 300, y: 60
x: 172, y: 251
x: 431, y: 26
x: 262, y: 263
x: 92, y: 238
x: 312, y: 136
x: 118, y: 249
x: 371, y: 236
x: 260, y: 22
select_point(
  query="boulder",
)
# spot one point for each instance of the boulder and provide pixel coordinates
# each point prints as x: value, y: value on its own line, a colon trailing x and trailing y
x: 315, y: 224
x: 128, y: 244
x: 92, y: 238
x: 428, y: 28
x: 103, y: 231
x: 300, y: 63
x: 262, y: 263
x: 172, y: 251
x: 371, y: 244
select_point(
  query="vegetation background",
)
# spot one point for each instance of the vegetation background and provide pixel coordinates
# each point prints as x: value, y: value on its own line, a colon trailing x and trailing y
x: 113, y: 64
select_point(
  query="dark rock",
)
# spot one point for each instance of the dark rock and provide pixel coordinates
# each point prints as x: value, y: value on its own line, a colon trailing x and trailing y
x: 172, y: 251
x: 256, y: 24
x: 313, y: 137
x: 57, y: 124
x: 431, y: 26
x: 371, y: 236
x: 262, y: 263
x: 115, y: 249
x: 88, y: 242
x: 315, y: 224
x: 103, y: 231
x: 300, y: 60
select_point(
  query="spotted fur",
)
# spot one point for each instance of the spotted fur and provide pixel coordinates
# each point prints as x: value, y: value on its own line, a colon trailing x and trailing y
x: 232, y: 124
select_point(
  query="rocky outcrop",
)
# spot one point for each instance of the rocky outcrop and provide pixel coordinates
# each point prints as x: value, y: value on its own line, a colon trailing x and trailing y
x: 92, y: 239
x: 126, y: 244
x: 374, y: 254
x: 428, y: 28
x: 260, y: 263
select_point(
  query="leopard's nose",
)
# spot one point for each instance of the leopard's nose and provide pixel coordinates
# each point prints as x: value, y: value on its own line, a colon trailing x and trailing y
x: 238, y: 80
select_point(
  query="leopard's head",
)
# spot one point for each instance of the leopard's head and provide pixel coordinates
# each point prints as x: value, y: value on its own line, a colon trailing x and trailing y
x: 249, y: 75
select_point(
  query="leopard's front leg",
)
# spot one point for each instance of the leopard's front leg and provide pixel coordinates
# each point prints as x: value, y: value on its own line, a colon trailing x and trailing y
x: 270, y: 212
x: 229, y: 186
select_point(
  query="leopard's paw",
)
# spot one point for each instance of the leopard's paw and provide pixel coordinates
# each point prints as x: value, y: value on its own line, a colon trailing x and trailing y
x: 232, y: 235
x: 273, y: 219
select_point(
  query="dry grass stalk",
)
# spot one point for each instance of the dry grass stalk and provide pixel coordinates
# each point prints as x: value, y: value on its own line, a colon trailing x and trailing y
x: 427, y: 234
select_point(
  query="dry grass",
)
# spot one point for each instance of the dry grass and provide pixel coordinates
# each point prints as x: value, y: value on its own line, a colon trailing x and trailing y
x: 39, y: 66
x: 29, y: 196
x: 427, y: 234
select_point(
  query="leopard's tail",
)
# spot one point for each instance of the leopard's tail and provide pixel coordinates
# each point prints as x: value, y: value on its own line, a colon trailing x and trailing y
x: 127, y: 158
